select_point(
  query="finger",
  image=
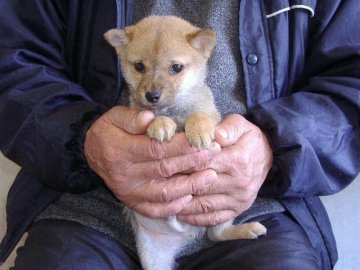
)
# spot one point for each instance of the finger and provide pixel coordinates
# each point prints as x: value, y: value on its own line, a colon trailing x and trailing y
x: 240, y: 192
x: 151, y: 149
x: 225, y: 184
x: 133, y: 121
x: 208, y: 204
x: 224, y: 161
x: 171, y: 166
x: 160, y: 210
x: 208, y: 219
x: 143, y: 149
x: 161, y: 191
x: 98, y: 169
x: 140, y: 148
x: 240, y: 156
x: 231, y: 129
x: 248, y: 157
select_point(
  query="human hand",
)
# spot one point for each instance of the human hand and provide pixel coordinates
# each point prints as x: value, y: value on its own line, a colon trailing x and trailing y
x: 241, y: 167
x: 141, y: 172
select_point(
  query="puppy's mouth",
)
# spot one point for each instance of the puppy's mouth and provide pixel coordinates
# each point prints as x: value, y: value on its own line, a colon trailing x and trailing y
x: 154, y: 107
x: 143, y: 104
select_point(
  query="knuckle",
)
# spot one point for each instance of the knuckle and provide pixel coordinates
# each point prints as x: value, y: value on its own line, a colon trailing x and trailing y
x: 202, y: 166
x: 228, y: 215
x: 247, y: 199
x: 215, y: 219
x: 200, y: 158
x: 164, y: 194
x: 172, y: 210
x: 96, y: 129
x: 240, y: 184
x: 235, y: 207
x: 110, y: 154
x: 156, y: 150
x: 165, y: 168
x: 204, y: 206
x: 224, y: 216
x: 193, y: 187
x: 154, y: 213
x: 113, y: 176
x: 242, y: 158
x: 165, y: 211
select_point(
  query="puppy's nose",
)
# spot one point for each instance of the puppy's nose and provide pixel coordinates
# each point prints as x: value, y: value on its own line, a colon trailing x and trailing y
x: 152, y: 96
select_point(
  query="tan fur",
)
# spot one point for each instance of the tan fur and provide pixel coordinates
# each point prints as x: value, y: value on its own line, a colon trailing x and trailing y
x: 183, y: 103
x: 159, y: 43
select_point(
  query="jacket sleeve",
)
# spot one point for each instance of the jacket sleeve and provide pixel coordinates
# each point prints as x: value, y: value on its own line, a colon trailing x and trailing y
x: 43, y: 114
x: 314, y: 131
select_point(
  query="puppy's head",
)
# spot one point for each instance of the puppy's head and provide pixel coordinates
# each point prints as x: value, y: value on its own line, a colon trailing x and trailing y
x: 163, y: 59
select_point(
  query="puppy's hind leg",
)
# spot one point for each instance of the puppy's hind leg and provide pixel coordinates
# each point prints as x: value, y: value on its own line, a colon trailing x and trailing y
x: 228, y: 231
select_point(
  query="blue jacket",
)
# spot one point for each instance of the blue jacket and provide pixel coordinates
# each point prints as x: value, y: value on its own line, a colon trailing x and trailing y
x: 301, y: 64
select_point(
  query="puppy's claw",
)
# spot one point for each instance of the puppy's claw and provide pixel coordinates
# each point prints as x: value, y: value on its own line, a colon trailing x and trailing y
x: 200, y: 140
x: 200, y: 130
x: 162, y: 129
x: 255, y: 229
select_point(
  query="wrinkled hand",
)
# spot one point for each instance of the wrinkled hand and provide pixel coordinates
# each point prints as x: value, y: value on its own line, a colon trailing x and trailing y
x: 241, y: 168
x: 141, y: 172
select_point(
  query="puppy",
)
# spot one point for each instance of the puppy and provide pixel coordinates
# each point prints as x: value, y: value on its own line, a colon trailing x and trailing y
x: 163, y: 60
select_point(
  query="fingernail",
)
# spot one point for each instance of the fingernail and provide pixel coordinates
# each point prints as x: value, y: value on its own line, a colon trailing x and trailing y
x: 223, y: 133
x: 144, y: 116
x: 210, y: 179
x: 214, y: 149
x: 188, y: 199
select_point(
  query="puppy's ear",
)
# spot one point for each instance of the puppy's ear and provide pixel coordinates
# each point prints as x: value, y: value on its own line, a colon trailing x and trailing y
x: 203, y: 40
x: 117, y: 38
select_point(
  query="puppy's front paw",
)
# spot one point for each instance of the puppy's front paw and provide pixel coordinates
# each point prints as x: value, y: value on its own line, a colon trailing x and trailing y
x: 161, y: 128
x: 200, y: 130
x: 201, y: 138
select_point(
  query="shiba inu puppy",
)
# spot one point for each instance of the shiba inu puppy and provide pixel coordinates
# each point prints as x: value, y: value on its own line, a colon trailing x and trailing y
x: 163, y: 60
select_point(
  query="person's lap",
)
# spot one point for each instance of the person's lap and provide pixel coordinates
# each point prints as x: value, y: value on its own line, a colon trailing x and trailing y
x: 285, y: 246
x: 56, y: 244
x: 67, y: 245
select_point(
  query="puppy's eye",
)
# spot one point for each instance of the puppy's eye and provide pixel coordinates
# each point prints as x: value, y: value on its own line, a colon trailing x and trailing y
x: 139, y: 67
x: 176, y: 68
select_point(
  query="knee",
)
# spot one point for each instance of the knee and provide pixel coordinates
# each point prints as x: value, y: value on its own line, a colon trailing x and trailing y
x: 297, y: 260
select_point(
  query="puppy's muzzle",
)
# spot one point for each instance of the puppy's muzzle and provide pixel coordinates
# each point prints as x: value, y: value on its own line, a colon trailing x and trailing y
x: 153, y: 96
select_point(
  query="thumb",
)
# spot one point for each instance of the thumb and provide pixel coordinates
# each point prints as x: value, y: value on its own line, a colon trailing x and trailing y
x: 231, y: 129
x: 133, y: 121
